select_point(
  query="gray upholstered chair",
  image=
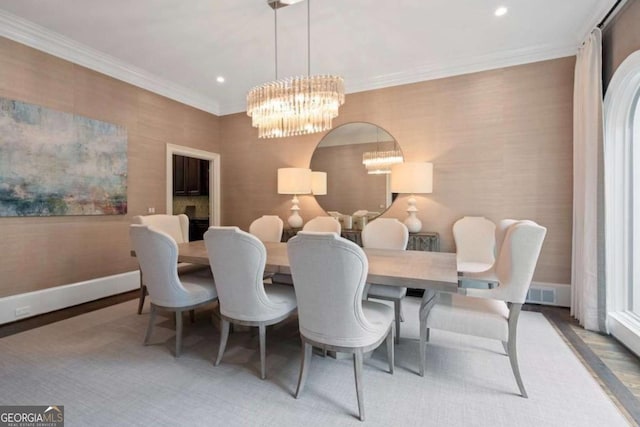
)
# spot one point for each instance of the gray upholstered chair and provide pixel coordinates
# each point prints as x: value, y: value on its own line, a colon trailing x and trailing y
x: 475, y: 244
x: 237, y: 261
x: 176, y: 226
x: 492, y: 313
x: 329, y: 275
x: 323, y: 224
x: 157, y: 254
x: 267, y: 228
x: 387, y: 233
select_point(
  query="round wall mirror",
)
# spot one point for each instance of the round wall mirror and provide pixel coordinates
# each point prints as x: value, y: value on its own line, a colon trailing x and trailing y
x: 353, y: 186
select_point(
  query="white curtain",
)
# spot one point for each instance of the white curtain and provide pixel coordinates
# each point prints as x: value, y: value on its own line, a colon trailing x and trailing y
x: 587, y: 143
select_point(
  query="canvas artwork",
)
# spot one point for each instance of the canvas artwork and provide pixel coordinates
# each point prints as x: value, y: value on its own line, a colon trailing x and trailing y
x: 55, y: 163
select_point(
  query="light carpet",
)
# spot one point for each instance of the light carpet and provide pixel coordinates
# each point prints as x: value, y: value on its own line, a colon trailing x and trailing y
x: 96, y: 366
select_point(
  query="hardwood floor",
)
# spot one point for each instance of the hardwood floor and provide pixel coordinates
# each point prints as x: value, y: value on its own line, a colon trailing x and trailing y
x: 615, y: 368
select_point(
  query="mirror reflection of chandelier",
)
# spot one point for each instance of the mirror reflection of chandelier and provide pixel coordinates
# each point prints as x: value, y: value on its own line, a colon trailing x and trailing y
x: 295, y: 105
x: 379, y: 161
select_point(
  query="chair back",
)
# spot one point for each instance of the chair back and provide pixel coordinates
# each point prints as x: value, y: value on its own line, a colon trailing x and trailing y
x: 516, y: 261
x: 157, y: 254
x: 475, y: 238
x: 267, y: 228
x: 176, y: 226
x: 385, y: 233
x: 323, y: 224
x: 501, y: 231
x: 237, y: 261
x: 329, y: 275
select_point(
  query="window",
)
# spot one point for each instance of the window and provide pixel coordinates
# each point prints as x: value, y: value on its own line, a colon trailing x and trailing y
x: 622, y: 202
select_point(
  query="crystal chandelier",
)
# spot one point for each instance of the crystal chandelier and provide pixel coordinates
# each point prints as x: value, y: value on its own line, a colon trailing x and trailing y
x: 379, y: 162
x: 295, y: 105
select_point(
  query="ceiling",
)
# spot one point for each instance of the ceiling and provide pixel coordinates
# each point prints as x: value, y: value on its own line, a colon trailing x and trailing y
x: 178, y: 48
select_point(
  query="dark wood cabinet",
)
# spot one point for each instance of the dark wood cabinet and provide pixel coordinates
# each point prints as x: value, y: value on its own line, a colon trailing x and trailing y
x: 190, y: 176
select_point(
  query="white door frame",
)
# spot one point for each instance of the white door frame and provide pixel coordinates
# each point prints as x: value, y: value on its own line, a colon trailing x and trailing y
x: 214, y: 178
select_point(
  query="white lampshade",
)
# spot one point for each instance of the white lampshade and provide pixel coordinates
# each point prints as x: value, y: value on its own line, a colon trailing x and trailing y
x: 318, y: 183
x: 412, y: 178
x: 294, y: 181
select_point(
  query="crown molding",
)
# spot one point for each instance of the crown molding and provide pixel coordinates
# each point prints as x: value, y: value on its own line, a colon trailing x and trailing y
x: 455, y: 67
x: 37, y: 37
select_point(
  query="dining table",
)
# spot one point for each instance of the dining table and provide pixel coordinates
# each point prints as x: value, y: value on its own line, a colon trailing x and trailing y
x: 435, y: 272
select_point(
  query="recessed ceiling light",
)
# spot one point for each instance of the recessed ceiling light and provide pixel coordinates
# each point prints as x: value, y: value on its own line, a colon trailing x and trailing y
x: 501, y: 11
x: 220, y: 79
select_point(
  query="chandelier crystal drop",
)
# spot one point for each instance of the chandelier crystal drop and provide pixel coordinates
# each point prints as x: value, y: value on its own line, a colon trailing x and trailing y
x: 295, y: 105
x: 379, y: 162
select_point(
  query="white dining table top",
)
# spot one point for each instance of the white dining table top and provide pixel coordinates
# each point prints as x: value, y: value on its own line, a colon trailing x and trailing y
x: 414, y: 269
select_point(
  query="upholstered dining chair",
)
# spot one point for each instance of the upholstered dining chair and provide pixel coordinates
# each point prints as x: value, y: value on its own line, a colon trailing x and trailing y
x: 331, y: 312
x: 475, y: 244
x: 176, y: 226
x: 323, y: 224
x: 492, y: 313
x: 237, y: 261
x: 157, y: 254
x: 267, y: 228
x: 387, y: 233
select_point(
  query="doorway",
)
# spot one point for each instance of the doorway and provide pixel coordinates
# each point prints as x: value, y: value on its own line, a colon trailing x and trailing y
x: 207, y: 159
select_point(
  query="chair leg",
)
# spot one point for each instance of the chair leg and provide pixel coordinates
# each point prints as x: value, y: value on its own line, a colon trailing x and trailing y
x: 152, y: 322
x: 390, y: 351
x: 401, y: 312
x: 224, y: 335
x: 357, y: 367
x: 262, y: 330
x: 307, y: 350
x: 514, y: 313
x: 178, y: 333
x: 397, y: 308
x: 143, y: 294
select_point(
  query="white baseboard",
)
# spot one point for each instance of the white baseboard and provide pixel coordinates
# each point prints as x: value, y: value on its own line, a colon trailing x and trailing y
x: 561, y: 293
x: 21, y: 306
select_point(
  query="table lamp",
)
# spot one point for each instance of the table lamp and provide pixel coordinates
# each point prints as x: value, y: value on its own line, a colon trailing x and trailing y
x: 412, y: 178
x: 294, y: 181
x: 318, y: 183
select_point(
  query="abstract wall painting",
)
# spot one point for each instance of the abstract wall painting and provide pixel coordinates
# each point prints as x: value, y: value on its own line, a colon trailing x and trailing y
x: 54, y: 163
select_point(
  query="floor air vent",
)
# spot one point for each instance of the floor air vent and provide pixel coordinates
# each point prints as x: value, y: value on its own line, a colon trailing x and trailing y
x: 541, y: 295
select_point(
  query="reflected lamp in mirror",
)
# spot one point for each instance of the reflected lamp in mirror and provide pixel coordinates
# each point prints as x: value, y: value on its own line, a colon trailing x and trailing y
x: 294, y: 181
x: 318, y: 183
x: 412, y: 178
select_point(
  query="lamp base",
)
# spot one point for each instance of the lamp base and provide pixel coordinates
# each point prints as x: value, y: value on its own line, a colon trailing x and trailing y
x: 295, y: 220
x: 412, y: 222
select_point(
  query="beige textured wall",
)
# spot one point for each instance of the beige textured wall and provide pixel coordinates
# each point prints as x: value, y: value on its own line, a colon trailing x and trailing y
x: 621, y: 37
x: 500, y: 141
x: 38, y: 253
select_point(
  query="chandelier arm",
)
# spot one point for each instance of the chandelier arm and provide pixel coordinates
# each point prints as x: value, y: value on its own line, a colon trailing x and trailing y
x: 308, y: 38
x: 275, y: 26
